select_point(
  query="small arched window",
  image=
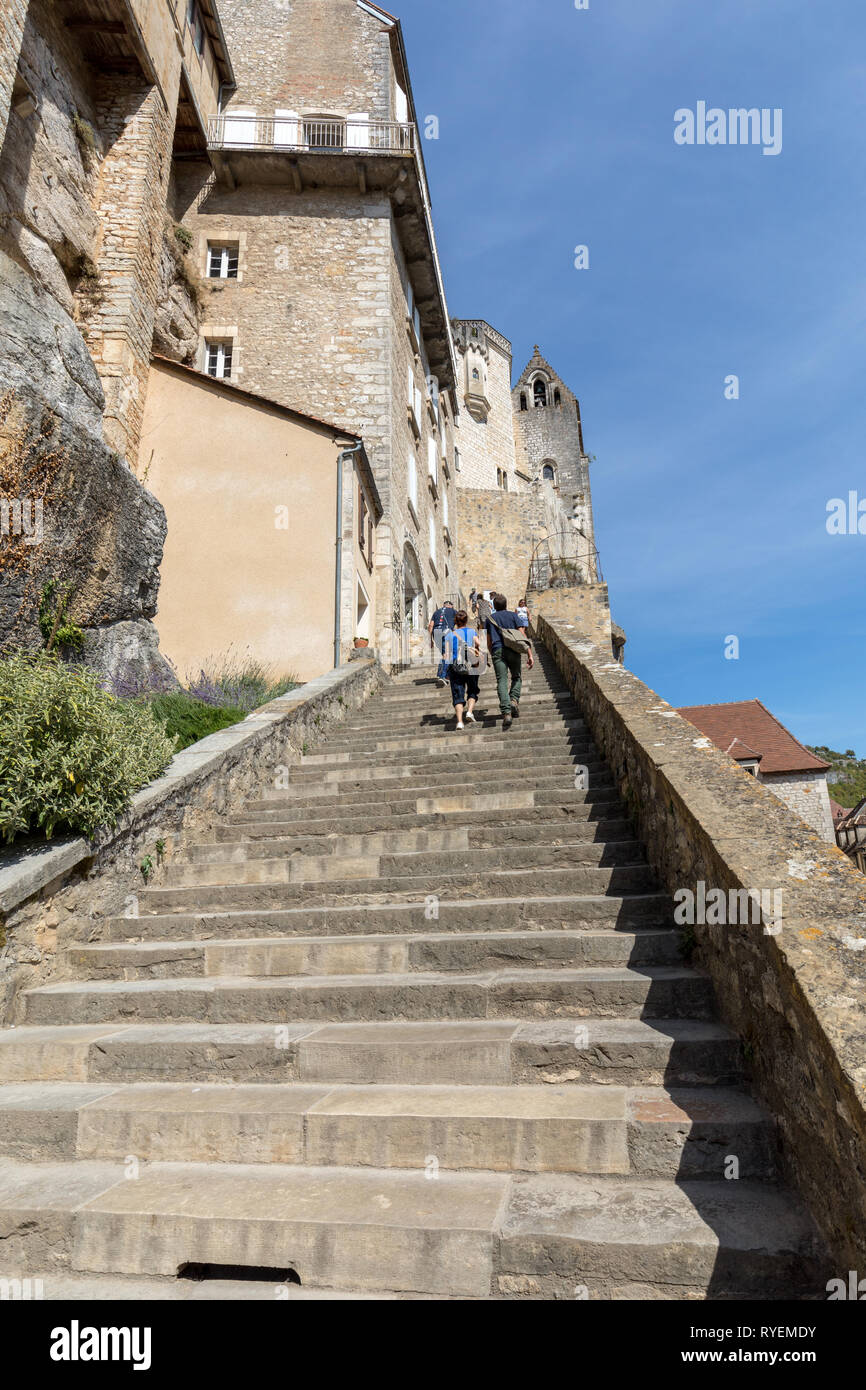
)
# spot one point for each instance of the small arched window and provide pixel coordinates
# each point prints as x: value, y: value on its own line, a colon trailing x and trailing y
x: 476, y: 375
x: 557, y: 398
x: 523, y: 405
x: 540, y: 392
x: 548, y: 473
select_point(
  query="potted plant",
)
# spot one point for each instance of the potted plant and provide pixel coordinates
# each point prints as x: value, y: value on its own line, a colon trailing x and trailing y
x: 362, y: 642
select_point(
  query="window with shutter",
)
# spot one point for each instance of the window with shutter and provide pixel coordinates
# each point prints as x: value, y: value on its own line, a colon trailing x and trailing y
x: 413, y: 479
x: 218, y: 359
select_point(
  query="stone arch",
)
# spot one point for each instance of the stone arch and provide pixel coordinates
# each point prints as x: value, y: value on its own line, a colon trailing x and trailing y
x: 539, y: 392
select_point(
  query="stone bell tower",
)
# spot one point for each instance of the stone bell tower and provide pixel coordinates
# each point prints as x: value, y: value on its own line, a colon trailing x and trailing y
x: 549, y: 449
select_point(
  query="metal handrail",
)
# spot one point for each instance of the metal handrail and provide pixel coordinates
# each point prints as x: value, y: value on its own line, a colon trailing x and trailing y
x: 297, y: 133
x: 542, y: 565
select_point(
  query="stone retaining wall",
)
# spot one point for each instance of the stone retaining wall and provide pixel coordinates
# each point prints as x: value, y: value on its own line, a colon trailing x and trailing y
x: 793, y: 988
x: 53, y: 894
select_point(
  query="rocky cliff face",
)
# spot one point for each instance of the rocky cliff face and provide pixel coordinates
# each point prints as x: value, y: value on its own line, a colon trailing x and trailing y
x: 175, y: 330
x: 71, y: 510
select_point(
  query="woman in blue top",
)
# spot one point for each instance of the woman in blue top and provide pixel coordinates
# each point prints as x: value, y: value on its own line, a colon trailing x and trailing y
x: 463, y: 646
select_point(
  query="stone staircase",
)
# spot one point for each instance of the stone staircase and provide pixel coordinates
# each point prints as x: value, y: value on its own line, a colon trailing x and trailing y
x: 418, y: 1026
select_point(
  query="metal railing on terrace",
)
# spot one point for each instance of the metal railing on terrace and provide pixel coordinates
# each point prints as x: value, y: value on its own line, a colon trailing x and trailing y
x: 278, y: 133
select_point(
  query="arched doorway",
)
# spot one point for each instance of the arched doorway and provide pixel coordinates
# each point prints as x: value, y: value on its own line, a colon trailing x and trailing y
x: 414, y: 607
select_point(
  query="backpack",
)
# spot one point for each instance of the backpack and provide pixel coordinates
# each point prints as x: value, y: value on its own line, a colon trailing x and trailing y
x: 511, y: 638
x: 460, y: 665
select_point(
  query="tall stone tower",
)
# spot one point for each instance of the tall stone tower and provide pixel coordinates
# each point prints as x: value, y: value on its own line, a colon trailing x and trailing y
x: 549, y: 450
x: 487, y: 459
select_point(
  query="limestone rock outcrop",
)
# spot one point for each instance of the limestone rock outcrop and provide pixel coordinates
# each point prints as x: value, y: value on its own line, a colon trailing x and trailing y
x: 93, y: 526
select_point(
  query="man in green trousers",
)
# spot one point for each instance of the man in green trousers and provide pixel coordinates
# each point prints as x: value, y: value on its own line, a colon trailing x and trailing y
x: 507, y: 663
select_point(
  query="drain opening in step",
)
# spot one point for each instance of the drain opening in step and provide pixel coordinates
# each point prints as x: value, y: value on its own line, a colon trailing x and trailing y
x: 257, y: 1274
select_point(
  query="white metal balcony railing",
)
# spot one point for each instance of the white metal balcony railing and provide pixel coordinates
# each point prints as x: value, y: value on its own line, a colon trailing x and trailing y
x: 242, y: 132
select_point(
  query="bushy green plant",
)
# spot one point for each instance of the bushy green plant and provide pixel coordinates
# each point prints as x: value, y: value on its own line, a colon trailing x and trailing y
x: 187, y: 720
x: 71, y: 755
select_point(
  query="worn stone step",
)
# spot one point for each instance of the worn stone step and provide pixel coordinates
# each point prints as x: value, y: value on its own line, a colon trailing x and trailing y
x: 482, y: 1052
x: 565, y: 1128
x: 316, y: 868
x: 651, y: 991
x: 373, y: 955
x: 567, y: 1236
x: 575, y: 912
x: 459, y: 758
x: 116, y: 1288
x: 550, y: 1235
x: 230, y: 843
x: 509, y: 819
x: 372, y: 888
x: 399, y: 771
x: 560, y: 777
x: 415, y: 750
x: 529, y: 801
x: 367, y: 1229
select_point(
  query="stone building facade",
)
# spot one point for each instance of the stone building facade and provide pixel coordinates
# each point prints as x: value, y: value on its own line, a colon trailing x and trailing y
x: 487, y: 455
x: 332, y: 301
x: 525, y: 442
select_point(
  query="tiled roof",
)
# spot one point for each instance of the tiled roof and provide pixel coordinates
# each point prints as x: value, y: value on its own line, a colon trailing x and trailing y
x: 750, y: 723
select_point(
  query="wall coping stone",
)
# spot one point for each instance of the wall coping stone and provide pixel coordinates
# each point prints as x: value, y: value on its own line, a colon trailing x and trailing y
x: 797, y: 998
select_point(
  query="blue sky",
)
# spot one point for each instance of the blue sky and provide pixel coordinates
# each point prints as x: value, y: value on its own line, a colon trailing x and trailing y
x: 556, y: 130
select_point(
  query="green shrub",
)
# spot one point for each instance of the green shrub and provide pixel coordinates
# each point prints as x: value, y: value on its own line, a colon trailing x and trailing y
x: 188, y: 720
x: 71, y: 755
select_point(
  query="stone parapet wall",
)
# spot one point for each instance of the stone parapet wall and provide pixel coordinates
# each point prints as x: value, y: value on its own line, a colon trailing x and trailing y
x: 583, y: 611
x: 51, y: 895
x: 793, y: 988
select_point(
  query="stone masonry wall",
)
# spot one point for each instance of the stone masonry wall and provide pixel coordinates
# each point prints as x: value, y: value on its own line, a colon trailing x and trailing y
x: 312, y: 56
x: 487, y: 445
x: 807, y: 795
x: 791, y: 988
x: 497, y: 531
x: 136, y: 126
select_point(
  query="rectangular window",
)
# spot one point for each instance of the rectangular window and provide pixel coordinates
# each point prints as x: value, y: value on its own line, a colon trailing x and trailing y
x: 195, y: 23
x: 218, y: 359
x: 222, y: 261
x: 456, y: 460
x: 445, y: 510
x: 433, y: 461
x: 362, y: 519
x: 413, y: 480
x: 432, y: 532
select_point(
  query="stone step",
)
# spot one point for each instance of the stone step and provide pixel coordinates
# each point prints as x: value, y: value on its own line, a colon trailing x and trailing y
x: 399, y: 771
x: 407, y: 863
x: 368, y: 1229
x: 649, y: 992
x: 430, y: 792
x: 230, y: 843
x: 567, y: 1236
x: 601, y: 1051
x: 373, y: 955
x: 529, y: 739
x: 529, y: 802
x: 117, y: 1288
x: 574, y: 879
x: 550, y: 1235
x: 509, y: 819
x: 568, y: 1128
x: 573, y: 912
x: 461, y: 754
x: 411, y: 784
